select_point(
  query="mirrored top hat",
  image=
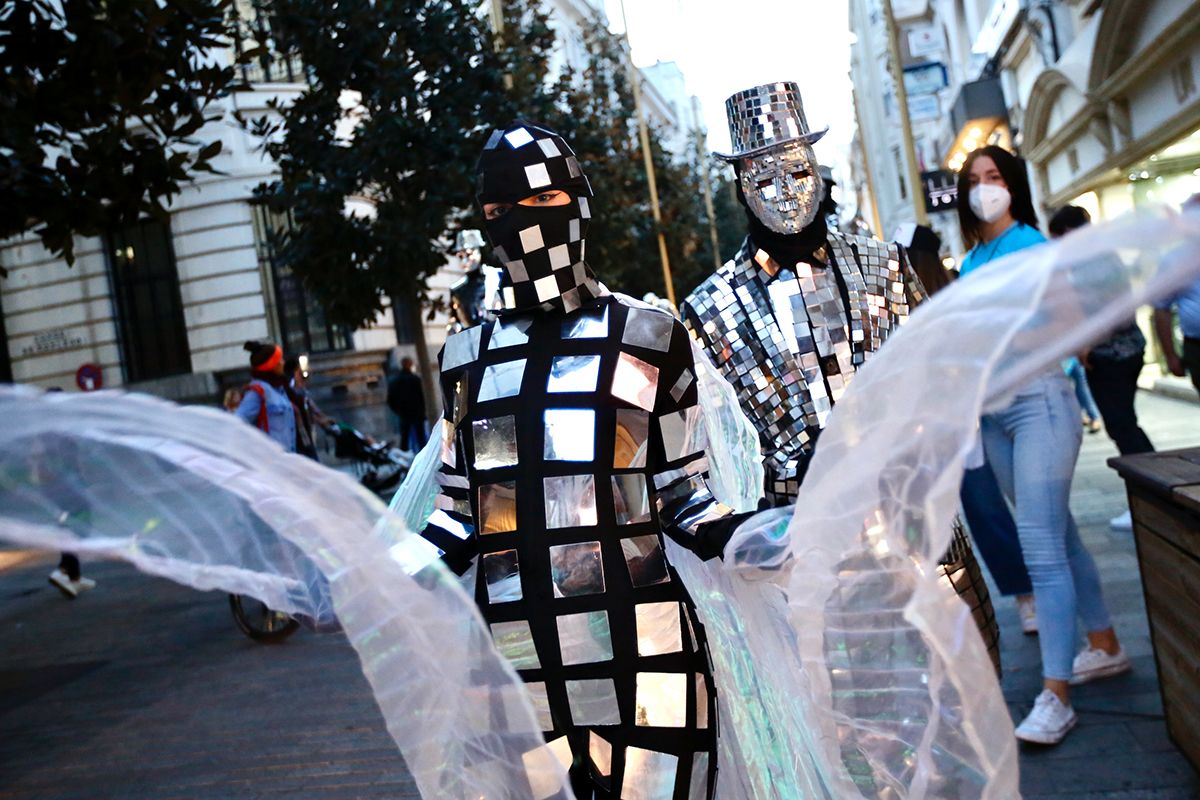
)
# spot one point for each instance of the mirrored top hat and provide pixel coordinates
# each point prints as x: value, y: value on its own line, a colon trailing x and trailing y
x: 764, y: 117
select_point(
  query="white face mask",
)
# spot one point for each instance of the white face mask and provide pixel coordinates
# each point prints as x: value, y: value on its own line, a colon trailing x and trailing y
x: 989, y: 201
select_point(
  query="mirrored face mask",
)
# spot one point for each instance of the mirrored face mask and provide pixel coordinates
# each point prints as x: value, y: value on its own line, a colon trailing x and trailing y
x: 782, y: 187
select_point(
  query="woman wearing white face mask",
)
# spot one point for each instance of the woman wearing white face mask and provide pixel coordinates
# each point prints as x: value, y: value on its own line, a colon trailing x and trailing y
x: 1032, y: 446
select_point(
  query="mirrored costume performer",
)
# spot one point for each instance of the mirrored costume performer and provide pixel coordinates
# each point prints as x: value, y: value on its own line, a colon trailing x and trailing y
x: 209, y: 502
x: 572, y: 441
x: 800, y: 307
x: 475, y: 295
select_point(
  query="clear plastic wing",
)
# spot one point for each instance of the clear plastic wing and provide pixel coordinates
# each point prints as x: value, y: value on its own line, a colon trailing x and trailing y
x: 413, y: 500
x: 735, y: 467
x: 197, y: 496
x: 845, y: 666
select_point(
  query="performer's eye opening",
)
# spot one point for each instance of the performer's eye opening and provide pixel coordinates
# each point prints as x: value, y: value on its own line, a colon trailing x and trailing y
x: 552, y: 197
x: 765, y: 183
x: 495, y: 210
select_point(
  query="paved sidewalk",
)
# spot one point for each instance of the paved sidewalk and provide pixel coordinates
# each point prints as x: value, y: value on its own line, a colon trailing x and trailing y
x: 143, y: 689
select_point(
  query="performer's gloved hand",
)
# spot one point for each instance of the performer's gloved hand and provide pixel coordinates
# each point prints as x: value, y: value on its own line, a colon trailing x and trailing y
x: 761, y: 547
x: 708, y: 539
x: 711, y: 537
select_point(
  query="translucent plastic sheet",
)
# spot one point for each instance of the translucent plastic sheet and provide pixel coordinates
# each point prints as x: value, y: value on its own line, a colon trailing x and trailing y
x: 413, y: 500
x: 197, y: 496
x: 735, y: 459
x: 878, y: 684
x: 844, y: 667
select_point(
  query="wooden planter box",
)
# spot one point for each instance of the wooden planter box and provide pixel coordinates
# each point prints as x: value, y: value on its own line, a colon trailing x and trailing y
x: 1164, y: 496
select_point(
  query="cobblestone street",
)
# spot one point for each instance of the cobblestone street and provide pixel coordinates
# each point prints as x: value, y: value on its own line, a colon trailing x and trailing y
x: 143, y: 689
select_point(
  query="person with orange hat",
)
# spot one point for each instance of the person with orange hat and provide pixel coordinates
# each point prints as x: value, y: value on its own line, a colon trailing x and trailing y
x: 265, y: 402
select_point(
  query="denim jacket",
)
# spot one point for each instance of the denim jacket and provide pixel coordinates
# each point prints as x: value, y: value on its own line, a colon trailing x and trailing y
x: 281, y: 415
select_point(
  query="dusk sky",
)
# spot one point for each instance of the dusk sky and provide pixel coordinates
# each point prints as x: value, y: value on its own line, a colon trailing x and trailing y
x: 723, y: 47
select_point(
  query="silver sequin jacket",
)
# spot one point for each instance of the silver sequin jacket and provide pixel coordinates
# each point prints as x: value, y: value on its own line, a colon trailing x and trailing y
x: 790, y: 339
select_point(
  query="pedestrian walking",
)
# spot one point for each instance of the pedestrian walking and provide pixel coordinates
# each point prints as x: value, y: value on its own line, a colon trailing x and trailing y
x: 923, y: 247
x: 1112, y: 369
x: 310, y: 414
x: 67, y: 577
x: 265, y: 401
x: 231, y: 399
x: 1032, y: 445
x: 406, y: 399
x: 984, y: 508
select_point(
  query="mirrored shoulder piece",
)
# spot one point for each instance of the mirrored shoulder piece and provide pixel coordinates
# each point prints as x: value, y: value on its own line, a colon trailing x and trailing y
x: 790, y: 337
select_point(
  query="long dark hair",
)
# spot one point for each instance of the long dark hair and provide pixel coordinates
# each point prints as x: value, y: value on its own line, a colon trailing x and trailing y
x: 1012, y: 169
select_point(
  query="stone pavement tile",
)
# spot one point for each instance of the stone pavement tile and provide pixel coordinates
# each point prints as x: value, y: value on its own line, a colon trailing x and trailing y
x: 1150, y: 735
x: 1094, y: 737
x: 1146, y: 703
x: 148, y: 690
x: 1089, y: 773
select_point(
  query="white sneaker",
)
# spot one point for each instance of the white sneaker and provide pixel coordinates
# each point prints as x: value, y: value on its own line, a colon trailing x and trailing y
x: 83, y: 584
x: 1122, y: 522
x: 65, y: 585
x: 1027, y: 610
x: 1091, y: 664
x: 1048, y: 722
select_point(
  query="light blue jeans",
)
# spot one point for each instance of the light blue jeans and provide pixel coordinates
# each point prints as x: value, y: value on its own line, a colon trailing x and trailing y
x: 1032, y: 446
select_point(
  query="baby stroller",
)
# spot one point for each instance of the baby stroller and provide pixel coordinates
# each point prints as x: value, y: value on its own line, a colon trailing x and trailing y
x: 379, y: 466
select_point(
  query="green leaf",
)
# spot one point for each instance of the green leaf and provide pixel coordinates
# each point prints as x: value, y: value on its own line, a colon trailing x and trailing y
x: 210, y: 150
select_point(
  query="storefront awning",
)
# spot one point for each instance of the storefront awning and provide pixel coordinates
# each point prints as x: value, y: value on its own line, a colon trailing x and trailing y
x: 979, y: 116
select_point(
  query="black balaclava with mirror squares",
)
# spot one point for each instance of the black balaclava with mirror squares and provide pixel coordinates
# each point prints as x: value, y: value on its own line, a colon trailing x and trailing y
x: 541, y: 248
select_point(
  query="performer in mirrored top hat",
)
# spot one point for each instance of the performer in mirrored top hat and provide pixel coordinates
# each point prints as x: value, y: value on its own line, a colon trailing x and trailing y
x: 801, y: 307
x: 571, y: 442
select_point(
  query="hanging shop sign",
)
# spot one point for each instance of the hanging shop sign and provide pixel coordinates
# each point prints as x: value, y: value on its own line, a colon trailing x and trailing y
x: 928, y: 78
x: 995, y: 27
x: 924, y: 107
x: 924, y: 42
x: 940, y: 187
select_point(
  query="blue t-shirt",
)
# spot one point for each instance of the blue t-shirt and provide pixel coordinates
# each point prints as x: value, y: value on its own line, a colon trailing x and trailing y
x: 1188, y: 302
x: 1016, y: 237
